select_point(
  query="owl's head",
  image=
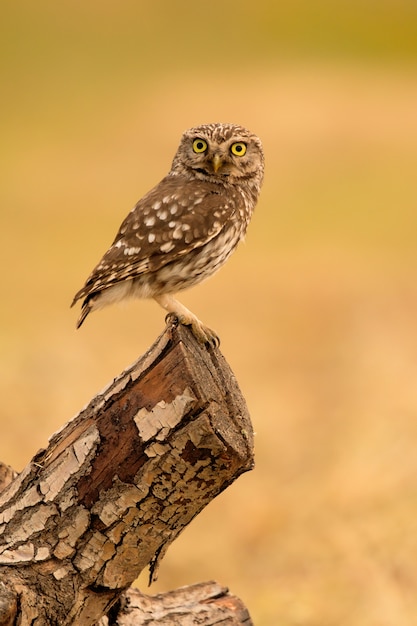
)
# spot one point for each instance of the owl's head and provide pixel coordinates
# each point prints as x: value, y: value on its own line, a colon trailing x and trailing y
x: 220, y: 153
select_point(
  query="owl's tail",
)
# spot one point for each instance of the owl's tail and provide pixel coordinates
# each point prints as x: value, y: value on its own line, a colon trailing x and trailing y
x: 86, y: 308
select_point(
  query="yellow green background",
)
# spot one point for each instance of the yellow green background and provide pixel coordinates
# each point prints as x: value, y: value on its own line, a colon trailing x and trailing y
x: 317, y: 311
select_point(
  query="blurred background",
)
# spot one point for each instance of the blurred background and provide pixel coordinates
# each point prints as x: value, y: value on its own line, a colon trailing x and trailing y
x: 317, y: 311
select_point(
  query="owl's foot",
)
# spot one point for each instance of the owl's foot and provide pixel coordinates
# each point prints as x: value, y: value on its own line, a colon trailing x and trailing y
x: 204, y: 334
x: 176, y: 310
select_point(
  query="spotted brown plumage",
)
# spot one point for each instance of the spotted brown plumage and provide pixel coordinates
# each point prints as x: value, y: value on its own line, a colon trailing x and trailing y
x: 186, y: 227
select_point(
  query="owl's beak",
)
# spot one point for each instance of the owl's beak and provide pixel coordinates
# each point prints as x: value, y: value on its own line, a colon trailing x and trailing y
x: 217, y: 163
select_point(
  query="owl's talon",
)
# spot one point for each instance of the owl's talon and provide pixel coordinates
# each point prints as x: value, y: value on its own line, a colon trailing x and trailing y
x: 202, y: 333
x: 172, y: 319
x: 205, y: 335
x: 214, y: 339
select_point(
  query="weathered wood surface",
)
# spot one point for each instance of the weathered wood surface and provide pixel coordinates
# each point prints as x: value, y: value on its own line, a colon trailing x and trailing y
x: 7, y: 474
x: 120, y: 481
x: 205, y: 604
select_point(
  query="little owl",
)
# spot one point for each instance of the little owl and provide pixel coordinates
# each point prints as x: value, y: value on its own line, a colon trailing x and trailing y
x: 186, y: 227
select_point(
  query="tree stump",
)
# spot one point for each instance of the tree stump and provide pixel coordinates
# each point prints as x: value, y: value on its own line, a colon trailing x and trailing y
x: 114, y: 488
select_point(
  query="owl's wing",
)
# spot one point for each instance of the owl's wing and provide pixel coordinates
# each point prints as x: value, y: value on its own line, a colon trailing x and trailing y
x: 174, y: 218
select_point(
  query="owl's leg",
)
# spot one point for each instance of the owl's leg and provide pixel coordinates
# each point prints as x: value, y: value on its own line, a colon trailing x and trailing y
x: 202, y: 333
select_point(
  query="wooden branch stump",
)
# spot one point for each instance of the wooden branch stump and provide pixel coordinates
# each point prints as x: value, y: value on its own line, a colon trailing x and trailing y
x: 205, y: 604
x: 119, y: 482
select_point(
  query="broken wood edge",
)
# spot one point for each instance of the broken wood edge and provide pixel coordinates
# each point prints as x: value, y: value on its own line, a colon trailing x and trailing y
x: 208, y: 603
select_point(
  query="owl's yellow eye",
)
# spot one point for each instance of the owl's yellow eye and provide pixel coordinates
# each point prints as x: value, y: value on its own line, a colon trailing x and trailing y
x: 238, y: 148
x: 199, y: 145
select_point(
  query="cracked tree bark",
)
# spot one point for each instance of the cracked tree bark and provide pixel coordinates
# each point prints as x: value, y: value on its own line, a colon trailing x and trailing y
x: 116, y: 486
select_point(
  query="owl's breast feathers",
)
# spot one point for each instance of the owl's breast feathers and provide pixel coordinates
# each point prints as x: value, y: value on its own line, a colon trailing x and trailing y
x: 174, y: 219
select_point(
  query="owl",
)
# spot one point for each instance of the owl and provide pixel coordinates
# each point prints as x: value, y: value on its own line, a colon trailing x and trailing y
x: 184, y: 229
